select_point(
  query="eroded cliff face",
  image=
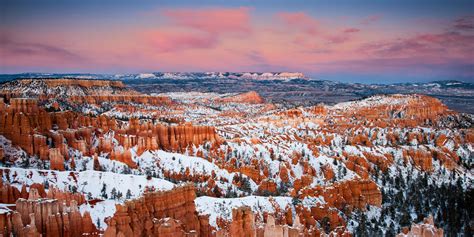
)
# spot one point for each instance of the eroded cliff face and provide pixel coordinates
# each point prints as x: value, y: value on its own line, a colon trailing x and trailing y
x: 262, y: 169
x: 139, y: 99
x: 425, y: 229
x: 245, y: 224
x: 156, y: 214
x: 251, y: 97
x: 10, y: 194
x: 48, y: 135
x: 173, y: 213
x: 46, y: 217
x: 61, y: 87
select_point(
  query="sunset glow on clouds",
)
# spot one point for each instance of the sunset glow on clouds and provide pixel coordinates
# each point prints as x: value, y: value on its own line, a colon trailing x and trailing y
x: 244, y: 38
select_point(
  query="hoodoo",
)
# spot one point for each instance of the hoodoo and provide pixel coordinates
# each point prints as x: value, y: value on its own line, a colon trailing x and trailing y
x: 92, y: 157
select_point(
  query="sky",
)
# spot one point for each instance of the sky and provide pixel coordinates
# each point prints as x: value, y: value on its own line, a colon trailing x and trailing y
x: 352, y: 41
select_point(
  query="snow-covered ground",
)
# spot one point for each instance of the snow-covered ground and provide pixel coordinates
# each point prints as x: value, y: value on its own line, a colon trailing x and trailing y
x: 100, y: 211
x: 221, y: 208
x: 90, y: 182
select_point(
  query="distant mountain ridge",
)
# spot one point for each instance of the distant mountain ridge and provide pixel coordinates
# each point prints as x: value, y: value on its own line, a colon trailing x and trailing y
x: 167, y: 75
x: 266, y: 76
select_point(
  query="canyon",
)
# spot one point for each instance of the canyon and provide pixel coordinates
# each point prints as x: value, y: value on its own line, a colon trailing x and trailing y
x: 96, y: 157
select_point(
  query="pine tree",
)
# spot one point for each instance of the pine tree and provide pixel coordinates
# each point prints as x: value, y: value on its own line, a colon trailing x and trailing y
x: 104, y: 191
x: 325, y: 224
x: 113, y: 193
x: 246, y: 187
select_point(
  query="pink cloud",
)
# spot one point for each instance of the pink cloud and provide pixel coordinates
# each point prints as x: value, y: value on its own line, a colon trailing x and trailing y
x: 370, y: 19
x: 201, y: 39
x: 437, y: 45
x: 312, y: 32
x: 465, y: 23
x: 300, y: 20
x: 169, y: 41
x: 21, y: 48
x: 351, y: 30
x: 21, y: 53
x: 215, y: 20
x: 342, y: 37
x: 199, y: 28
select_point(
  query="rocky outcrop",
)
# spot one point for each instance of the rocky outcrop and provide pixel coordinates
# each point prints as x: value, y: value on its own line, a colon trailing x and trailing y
x: 46, y: 217
x: 425, y: 229
x: 78, y: 82
x: 141, y: 99
x: 8, y: 193
x: 67, y: 197
x: 351, y: 193
x: 141, y: 217
x: 398, y: 110
x: 420, y: 158
x: 45, y: 89
x: 174, y: 138
x: 305, y: 152
x: 243, y: 224
x: 23, y: 105
x: 267, y: 187
x: 56, y: 159
x: 33, y: 132
x: 251, y: 97
x: 169, y: 227
x: 251, y: 172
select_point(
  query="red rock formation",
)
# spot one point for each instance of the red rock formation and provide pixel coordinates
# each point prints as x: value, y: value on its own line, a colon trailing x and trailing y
x: 349, y: 194
x: 67, y: 197
x: 284, y: 173
x: 2, y: 154
x: 142, y: 99
x: 3, y: 106
x: 56, y: 159
x: 267, y: 186
x: 328, y: 172
x: 8, y: 193
x: 243, y: 223
x: 24, y: 105
x: 420, y: 158
x: 46, y: 217
x: 415, y: 110
x: 169, y: 227
x: 40, y: 148
x: 124, y: 157
x: 39, y: 188
x: 300, y: 183
x: 318, y: 109
x: 96, y: 163
x: 321, y: 212
x: 425, y: 229
x: 139, y: 217
x: 168, y: 138
x: 32, y: 131
x: 251, y: 97
x: 251, y: 172
x: 52, y: 83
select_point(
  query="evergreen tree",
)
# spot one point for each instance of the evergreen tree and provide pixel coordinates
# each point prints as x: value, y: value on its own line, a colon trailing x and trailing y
x: 113, y: 193
x: 104, y: 191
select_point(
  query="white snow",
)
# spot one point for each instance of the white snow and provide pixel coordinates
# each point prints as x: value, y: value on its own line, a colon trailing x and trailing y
x: 222, y: 207
x: 86, y: 182
x: 100, y: 211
